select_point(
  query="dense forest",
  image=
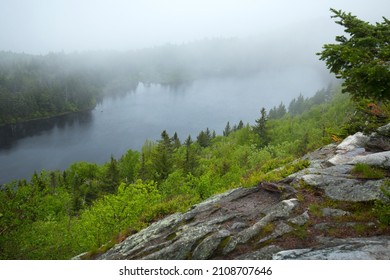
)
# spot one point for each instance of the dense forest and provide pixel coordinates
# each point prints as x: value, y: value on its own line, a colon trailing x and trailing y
x: 36, y: 87
x: 57, y: 215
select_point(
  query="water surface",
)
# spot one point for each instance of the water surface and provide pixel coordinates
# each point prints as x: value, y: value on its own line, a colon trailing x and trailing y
x: 125, y: 122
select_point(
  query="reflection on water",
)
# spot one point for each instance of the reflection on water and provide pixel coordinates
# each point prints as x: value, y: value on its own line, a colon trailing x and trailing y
x: 10, y: 134
x: 125, y: 121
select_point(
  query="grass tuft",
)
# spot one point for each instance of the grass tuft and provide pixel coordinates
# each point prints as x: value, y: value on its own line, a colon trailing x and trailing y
x: 365, y: 171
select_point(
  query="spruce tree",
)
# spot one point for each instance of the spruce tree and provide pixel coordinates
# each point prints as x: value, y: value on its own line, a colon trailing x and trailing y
x: 362, y: 58
x: 189, y: 163
x: 112, y: 177
x: 163, y: 157
x: 240, y: 125
x: 260, y: 128
x: 227, y: 130
x: 281, y: 111
x: 175, y: 141
x: 204, y: 138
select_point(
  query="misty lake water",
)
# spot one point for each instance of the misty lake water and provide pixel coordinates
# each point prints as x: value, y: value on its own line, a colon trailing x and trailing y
x: 125, y: 122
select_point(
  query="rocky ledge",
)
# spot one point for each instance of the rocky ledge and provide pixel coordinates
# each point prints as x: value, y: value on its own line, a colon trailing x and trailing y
x: 321, y: 212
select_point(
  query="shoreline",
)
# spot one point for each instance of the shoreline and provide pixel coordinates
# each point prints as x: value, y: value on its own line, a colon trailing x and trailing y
x: 47, y: 117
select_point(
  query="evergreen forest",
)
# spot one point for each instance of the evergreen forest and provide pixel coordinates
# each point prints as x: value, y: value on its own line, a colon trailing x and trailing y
x: 90, y: 207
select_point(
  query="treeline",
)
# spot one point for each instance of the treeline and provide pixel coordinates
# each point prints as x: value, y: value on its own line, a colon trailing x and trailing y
x: 301, y: 104
x: 38, y: 86
x: 41, y: 86
x: 57, y: 215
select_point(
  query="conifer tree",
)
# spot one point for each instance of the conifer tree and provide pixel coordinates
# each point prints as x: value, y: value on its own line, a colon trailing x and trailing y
x: 163, y: 157
x: 260, y: 128
x: 361, y: 59
x: 227, y: 129
x: 111, y: 178
x: 208, y: 133
x: 189, y: 163
x: 204, y: 138
x: 175, y: 141
x: 240, y: 125
x: 281, y: 110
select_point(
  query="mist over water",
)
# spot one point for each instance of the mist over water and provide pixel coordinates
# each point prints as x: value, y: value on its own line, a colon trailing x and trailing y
x: 125, y: 121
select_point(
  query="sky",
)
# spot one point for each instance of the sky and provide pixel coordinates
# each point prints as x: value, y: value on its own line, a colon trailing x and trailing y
x: 43, y: 26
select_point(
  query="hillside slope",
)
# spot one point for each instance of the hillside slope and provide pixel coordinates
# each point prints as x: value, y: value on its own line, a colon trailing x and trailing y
x: 330, y: 210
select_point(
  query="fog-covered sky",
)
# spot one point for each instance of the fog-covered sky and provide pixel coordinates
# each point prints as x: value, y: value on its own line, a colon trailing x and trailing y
x: 42, y: 26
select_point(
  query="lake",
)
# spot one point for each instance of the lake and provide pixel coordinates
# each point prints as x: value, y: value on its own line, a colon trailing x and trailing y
x: 124, y: 122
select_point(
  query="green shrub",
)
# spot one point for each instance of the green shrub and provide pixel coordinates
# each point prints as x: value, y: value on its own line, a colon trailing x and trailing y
x: 275, y: 174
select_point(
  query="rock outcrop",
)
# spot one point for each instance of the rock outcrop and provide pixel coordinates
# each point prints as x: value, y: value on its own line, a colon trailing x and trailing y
x: 215, y: 227
x: 374, y: 248
x: 309, y: 215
